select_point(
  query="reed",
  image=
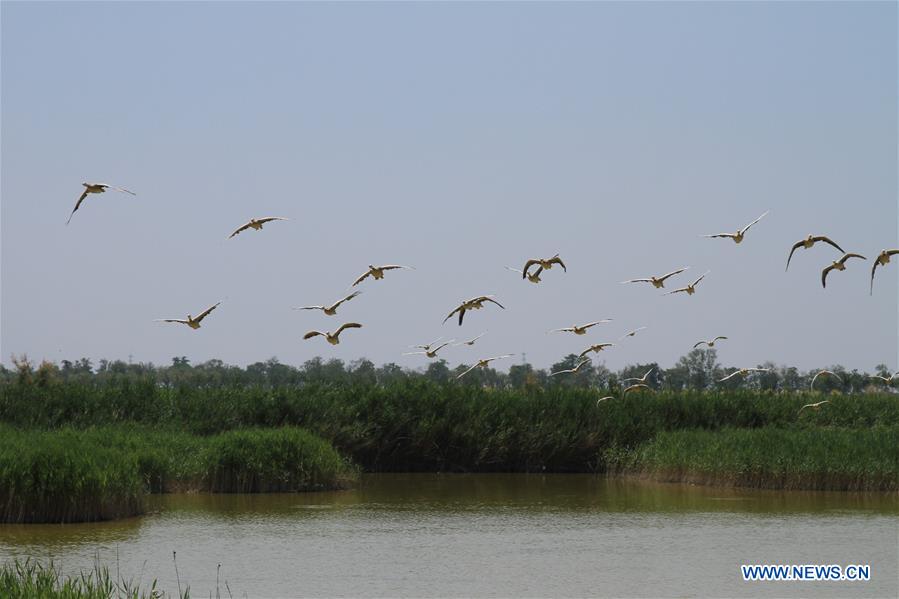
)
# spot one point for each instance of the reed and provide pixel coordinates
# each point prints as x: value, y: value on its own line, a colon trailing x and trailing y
x: 104, y: 473
x: 824, y: 459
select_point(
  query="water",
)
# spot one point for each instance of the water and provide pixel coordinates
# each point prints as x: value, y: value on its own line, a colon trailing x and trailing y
x: 487, y: 536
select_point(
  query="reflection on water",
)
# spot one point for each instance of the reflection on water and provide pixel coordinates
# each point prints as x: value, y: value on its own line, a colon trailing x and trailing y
x: 489, y: 535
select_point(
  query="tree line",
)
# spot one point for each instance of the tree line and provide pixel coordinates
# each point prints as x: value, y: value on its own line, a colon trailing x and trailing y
x: 697, y: 370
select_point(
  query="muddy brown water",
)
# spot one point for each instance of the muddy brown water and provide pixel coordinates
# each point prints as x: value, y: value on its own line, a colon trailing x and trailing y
x: 487, y: 535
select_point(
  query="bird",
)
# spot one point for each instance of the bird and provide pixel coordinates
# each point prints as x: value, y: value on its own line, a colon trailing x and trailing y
x: 808, y: 242
x: 533, y: 277
x: 190, y: 321
x: 471, y: 341
x: 658, y: 282
x: 255, y: 223
x: 825, y: 372
x: 332, y: 309
x: 738, y: 236
x: 602, y: 399
x: 691, y: 288
x: 333, y: 338
x: 377, y: 272
x: 838, y: 265
x: 545, y: 263
x: 743, y: 372
x: 475, y: 303
x: 582, y: 329
x: 887, y: 380
x: 634, y: 388
x: 595, y: 348
x: 882, y: 260
x: 813, y: 406
x: 94, y: 188
x: 429, y: 351
x: 710, y: 342
x: 483, y: 364
x: 426, y: 346
x: 571, y: 370
x: 642, y: 379
x: 631, y: 333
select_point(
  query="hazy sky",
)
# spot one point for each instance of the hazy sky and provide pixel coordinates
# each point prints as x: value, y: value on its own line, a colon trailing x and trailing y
x: 459, y: 139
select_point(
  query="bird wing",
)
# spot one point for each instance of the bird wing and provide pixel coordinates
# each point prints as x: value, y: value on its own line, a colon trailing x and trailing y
x: 415, y: 353
x: 731, y: 235
x: 527, y: 265
x: 312, y: 334
x: 731, y: 375
x: 565, y: 330
x: 601, y: 399
x: 873, y: 270
x: 450, y: 315
x: 361, y: 278
x: 647, y: 373
x: 847, y: 256
x: 672, y: 273
x: 266, y: 219
x: 719, y: 337
x: 395, y: 266
x: 500, y: 357
x: 562, y: 372
x: 556, y: 260
x: 638, y: 281
x: 746, y: 228
x: 824, y: 274
x: 206, y: 312
x: 181, y: 320
x: 466, y: 372
x: 592, y: 324
x: 795, y: 247
x: 633, y: 387
x: 347, y: 325
x: 242, y: 227
x: 515, y: 270
x: 122, y: 189
x: 828, y: 240
x: 487, y: 298
x: 78, y: 204
x: 698, y: 343
x: 439, y: 347
x: 309, y: 308
x: 676, y: 290
x: 701, y: 277
x: 346, y: 299
x: 585, y: 352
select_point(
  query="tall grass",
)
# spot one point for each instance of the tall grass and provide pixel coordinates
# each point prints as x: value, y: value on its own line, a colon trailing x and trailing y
x: 104, y: 473
x: 31, y: 579
x: 825, y: 459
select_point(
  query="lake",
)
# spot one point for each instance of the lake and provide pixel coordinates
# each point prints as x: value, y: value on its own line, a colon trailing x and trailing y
x: 487, y: 535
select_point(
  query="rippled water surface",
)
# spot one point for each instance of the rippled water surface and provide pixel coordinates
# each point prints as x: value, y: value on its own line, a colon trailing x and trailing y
x: 487, y: 535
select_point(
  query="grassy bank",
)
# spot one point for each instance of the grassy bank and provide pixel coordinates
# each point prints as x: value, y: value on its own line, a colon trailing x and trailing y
x: 104, y: 473
x: 419, y: 425
x: 31, y: 579
x: 825, y: 459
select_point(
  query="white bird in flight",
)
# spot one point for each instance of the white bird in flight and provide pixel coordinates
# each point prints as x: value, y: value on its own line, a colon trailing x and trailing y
x: 631, y: 333
x: 882, y: 260
x: 475, y: 303
x: 642, y: 379
x: 813, y: 406
x: 887, y: 380
x: 825, y: 373
x: 190, y: 321
x: 837, y: 265
x: 377, y: 272
x: 545, y: 263
x: 332, y: 309
x: 571, y: 370
x: 658, y: 282
x: 429, y: 351
x: 808, y: 242
x: 738, y: 236
x: 595, y: 348
x: 333, y: 338
x: 95, y: 188
x: 743, y: 372
x: 710, y: 342
x: 582, y: 329
x: 691, y: 288
x: 255, y: 223
x: 483, y: 364
x: 471, y: 341
x: 533, y: 277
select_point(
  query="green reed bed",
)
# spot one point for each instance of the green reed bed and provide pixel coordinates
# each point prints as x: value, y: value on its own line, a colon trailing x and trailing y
x: 31, y: 579
x: 819, y: 459
x: 103, y: 473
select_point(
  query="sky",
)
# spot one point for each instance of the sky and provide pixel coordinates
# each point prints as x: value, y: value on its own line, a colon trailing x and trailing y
x: 458, y: 139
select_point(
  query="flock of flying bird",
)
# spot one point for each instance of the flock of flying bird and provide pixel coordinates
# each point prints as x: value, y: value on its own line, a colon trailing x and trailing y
x: 542, y: 264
